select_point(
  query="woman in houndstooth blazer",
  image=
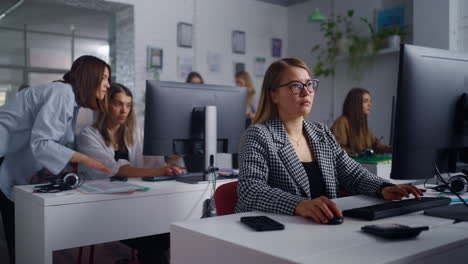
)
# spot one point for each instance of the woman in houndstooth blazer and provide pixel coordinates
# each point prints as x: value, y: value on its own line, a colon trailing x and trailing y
x: 292, y: 166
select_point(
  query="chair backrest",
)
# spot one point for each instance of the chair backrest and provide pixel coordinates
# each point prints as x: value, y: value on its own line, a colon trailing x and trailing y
x: 226, y: 198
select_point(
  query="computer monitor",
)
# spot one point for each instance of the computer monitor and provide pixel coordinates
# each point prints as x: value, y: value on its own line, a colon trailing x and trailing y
x: 430, y: 119
x: 169, y: 123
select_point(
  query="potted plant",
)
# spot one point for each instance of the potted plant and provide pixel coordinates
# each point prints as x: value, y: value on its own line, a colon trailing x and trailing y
x: 392, y: 35
x: 340, y: 40
x: 387, y: 37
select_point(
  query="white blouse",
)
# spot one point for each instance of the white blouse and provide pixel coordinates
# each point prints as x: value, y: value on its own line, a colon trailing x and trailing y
x: 91, y: 143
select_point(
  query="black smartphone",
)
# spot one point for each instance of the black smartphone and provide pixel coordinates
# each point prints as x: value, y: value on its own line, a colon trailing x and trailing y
x: 118, y: 178
x: 262, y: 223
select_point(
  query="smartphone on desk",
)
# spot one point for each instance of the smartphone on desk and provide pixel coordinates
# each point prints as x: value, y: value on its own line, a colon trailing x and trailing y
x: 261, y: 223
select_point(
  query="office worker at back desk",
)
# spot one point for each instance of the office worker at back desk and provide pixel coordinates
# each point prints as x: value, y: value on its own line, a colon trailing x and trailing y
x: 292, y: 166
x: 115, y: 141
x: 351, y: 129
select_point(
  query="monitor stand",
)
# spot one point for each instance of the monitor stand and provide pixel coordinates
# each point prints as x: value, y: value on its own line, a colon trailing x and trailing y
x: 210, y: 140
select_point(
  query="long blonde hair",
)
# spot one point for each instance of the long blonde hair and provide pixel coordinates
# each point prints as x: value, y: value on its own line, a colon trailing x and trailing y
x: 266, y: 109
x: 126, y: 130
x: 248, y: 84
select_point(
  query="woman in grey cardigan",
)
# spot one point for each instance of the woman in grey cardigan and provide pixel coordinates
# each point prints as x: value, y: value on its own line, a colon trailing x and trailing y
x: 292, y: 166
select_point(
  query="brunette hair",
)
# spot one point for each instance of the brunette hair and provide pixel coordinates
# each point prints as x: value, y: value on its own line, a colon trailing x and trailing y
x: 193, y: 75
x: 85, y: 77
x: 353, y: 111
x: 103, y: 121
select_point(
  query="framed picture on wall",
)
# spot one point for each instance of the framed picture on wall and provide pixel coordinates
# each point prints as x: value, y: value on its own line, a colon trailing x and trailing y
x: 238, y: 42
x: 276, y: 48
x: 239, y: 67
x: 184, y: 35
x: 393, y: 17
x: 259, y: 66
x: 154, y: 58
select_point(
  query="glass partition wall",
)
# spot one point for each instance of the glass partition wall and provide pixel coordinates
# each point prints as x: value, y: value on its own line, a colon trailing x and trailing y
x: 30, y: 57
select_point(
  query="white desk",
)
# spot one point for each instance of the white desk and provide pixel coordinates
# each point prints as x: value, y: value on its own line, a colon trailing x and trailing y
x: 381, y: 170
x: 225, y: 240
x: 48, y: 222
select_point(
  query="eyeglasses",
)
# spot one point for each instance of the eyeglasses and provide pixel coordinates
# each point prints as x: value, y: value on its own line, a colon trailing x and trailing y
x: 297, y: 87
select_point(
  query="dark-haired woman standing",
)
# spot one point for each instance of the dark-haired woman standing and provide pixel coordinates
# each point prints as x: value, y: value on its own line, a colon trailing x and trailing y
x: 36, y: 125
x: 351, y: 129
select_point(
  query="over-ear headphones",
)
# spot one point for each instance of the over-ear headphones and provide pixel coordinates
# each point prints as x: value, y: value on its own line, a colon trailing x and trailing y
x: 458, y: 183
x: 71, y: 180
x: 63, y: 182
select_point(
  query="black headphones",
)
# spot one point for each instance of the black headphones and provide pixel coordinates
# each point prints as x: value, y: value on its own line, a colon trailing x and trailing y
x: 458, y: 183
x: 64, y: 182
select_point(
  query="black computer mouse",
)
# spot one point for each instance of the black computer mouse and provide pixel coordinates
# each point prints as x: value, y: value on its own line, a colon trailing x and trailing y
x: 118, y: 178
x: 335, y: 220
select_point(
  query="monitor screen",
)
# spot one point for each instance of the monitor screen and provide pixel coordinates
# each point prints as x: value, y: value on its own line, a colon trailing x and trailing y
x: 430, y: 85
x: 168, y: 114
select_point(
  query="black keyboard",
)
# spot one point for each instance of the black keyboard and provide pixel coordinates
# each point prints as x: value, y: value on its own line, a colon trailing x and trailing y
x: 190, y: 175
x: 389, y: 209
x: 172, y: 177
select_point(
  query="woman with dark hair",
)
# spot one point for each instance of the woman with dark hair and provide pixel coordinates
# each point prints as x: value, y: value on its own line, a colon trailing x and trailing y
x: 36, y: 125
x: 194, y: 77
x: 115, y: 140
x: 351, y: 129
x: 291, y: 166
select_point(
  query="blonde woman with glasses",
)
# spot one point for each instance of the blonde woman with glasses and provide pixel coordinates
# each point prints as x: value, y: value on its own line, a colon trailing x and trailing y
x: 291, y: 166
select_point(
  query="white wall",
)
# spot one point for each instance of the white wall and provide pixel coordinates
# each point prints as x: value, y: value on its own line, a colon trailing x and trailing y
x: 380, y: 79
x: 213, y: 22
x: 459, y: 25
x: 431, y: 23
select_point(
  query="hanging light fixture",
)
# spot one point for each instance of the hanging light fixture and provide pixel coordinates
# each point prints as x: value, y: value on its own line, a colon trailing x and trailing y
x: 316, y: 16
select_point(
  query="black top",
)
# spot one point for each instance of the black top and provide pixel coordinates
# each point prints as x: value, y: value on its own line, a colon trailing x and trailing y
x: 317, y: 185
x: 121, y: 154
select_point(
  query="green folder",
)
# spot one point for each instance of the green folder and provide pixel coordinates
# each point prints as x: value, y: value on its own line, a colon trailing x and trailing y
x: 374, y: 160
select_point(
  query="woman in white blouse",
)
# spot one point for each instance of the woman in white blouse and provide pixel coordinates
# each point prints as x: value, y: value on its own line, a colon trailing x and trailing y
x: 115, y: 141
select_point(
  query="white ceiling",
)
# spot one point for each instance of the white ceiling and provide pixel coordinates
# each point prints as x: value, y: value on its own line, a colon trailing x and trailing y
x: 88, y: 17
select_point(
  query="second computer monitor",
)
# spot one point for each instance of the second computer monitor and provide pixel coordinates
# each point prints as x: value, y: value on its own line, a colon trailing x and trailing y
x: 429, y: 122
x: 168, y: 115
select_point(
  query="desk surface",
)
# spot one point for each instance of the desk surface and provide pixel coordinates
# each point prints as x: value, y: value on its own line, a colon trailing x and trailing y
x: 75, y: 197
x: 303, y: 241
x: 48, y: 222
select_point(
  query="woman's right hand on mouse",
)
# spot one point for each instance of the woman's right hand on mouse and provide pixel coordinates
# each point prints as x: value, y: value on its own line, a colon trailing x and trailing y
x: 320, y: 209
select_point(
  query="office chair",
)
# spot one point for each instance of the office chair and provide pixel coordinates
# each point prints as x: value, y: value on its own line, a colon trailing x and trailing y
x: 226, y: 198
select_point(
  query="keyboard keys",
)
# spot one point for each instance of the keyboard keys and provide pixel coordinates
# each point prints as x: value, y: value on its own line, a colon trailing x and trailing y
x: 395, y: 208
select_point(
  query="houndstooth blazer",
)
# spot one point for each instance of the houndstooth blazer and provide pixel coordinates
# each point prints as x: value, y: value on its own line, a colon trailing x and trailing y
x: 272, y: 179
